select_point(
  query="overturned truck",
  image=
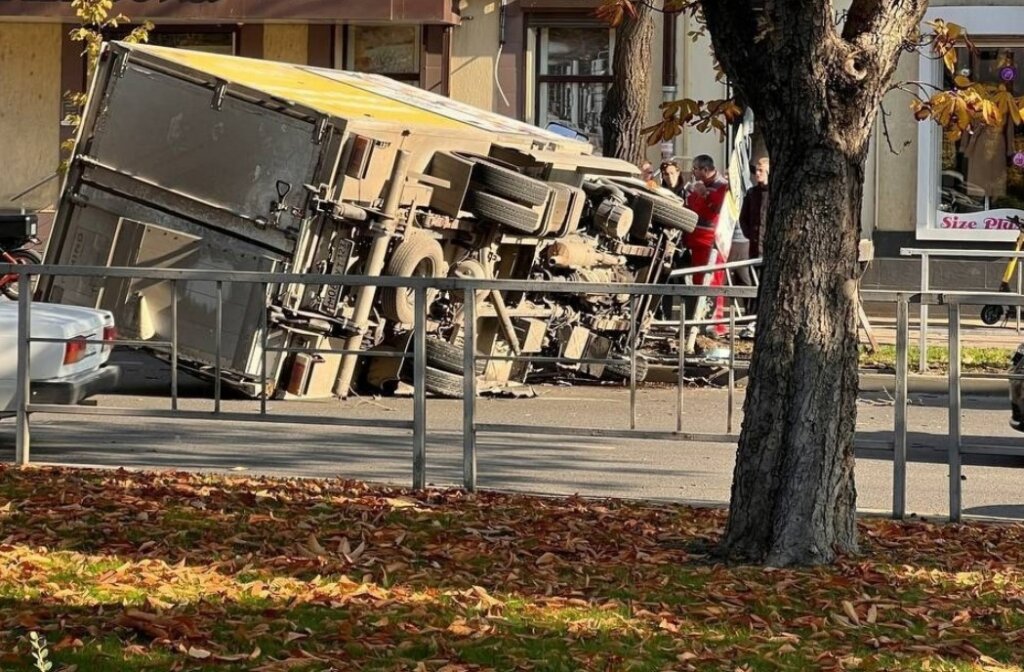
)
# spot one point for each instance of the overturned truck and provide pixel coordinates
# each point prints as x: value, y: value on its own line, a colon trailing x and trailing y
x: 202, y: 161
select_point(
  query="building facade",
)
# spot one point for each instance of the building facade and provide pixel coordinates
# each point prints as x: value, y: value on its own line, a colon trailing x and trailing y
x: 39, y: 63
x: 934, y: 193
x: 550, y: 61
x: 538, y: 60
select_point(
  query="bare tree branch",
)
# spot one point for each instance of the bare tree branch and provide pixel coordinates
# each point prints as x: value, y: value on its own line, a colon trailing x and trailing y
x: 888, y: 137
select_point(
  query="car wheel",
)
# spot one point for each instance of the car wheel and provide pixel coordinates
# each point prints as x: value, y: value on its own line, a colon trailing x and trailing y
x: 27, y: 257
x: 1017, y: 391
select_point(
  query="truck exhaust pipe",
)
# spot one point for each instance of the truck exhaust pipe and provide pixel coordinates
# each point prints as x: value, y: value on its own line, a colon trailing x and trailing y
x: 385, y: 228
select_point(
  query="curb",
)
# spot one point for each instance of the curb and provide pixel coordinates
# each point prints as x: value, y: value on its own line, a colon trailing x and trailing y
x: 880, y: 382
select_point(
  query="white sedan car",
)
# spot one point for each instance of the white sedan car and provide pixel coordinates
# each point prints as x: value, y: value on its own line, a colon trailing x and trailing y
x: 61, y: 373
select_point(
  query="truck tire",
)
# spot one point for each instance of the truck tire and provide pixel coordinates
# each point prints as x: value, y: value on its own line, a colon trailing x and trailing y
x: 618, y: 369
x: 443, y: 383
x: 510, y: 184
x: 420, y: 256
x: 447, y: 357
x: 671, y: 215
x: 501, y: 211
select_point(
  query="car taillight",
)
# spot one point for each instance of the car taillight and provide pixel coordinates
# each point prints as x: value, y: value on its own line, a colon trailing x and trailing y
x: 109, y: 336
x: 74, y: 350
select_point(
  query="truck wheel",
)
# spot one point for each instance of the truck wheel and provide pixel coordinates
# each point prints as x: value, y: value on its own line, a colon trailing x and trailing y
x: 510, y: 184
x: 670, y: 214
x: 501, y: 211
x: 418, y: 256
x: 445, y: 356
x: 618, y: 369
x: 443, y: 383
x: 30, y: 257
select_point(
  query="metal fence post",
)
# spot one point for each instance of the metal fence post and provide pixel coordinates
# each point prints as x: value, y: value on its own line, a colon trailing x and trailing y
x: 682, y: 365
x: 732, y: 372
x: 174, y: 345
x: 264, y: 339
x: 632, y: 362
x: 419, y: 405
x: 899, y: 461
x: 955, y: 438
x: 469, y: 390
x: 23, y: 392
x: 922, y: 365
x: 219, y: 344
x: 1020, y: 290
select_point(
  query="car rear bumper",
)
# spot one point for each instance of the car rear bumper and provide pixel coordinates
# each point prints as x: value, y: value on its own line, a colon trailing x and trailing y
x: 75, y: 389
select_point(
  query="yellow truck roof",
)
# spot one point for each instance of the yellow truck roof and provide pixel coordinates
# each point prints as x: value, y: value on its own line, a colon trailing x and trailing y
x: 351, y: 95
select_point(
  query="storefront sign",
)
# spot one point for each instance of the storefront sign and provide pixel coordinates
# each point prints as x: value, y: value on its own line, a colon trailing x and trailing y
x: 992, y: 225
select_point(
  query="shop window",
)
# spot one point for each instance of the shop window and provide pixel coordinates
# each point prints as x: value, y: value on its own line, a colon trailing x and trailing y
x: 984, y: 170
x: 574, y: 72
x: 385, y: 50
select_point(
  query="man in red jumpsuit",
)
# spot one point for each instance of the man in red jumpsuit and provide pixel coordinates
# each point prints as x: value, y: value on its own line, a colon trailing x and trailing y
x: 706, y: 196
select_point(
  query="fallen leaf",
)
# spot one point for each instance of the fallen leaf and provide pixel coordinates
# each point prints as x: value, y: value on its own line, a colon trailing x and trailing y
x: 851, y: 612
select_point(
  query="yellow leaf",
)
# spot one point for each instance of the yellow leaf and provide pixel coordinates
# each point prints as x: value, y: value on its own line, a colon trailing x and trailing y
x: 962, y: 82
x: 963, y: 115
x: 949, y: 58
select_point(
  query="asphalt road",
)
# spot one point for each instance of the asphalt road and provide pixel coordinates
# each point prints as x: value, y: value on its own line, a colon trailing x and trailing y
x: 693, y: 472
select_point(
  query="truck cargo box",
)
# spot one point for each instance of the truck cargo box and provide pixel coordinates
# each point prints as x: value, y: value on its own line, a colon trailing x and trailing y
x: 202, y: 161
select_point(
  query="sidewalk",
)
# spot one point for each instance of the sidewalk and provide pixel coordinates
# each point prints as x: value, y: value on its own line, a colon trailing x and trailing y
x: 973, y: 333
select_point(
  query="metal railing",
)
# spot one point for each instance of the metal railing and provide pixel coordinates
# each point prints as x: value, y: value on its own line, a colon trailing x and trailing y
x: 471, y: 427
x: 420, y: 286
x: 926, y: 255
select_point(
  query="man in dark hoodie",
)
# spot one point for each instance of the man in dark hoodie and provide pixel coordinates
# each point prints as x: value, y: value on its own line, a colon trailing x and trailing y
x: 753, y: 216
x: 755, y: 208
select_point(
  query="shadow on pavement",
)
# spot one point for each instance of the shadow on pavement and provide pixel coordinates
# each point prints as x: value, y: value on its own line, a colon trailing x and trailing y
x: 512, y: 463
x: 997, y: 511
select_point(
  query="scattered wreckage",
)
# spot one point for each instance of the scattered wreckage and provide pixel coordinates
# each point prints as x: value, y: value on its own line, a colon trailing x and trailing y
x: 203, y: 161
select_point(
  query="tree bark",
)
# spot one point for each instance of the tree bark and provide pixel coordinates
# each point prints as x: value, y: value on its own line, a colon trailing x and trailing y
x: 625, y: 110
x: 793, y: 496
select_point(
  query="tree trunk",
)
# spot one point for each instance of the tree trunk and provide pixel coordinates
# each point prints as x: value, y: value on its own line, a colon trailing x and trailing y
x: 625, y: 110
x: 793, y: 496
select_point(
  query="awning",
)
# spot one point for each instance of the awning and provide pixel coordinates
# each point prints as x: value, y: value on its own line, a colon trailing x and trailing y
x: 234, y: 11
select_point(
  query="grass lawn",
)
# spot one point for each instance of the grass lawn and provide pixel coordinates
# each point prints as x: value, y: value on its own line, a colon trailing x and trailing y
x: 158, y: 571
x: 974, y: 358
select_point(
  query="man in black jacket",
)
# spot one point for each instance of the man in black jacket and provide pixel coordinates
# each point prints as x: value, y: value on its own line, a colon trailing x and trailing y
x: 754, y: 213
x: 753, y: 216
